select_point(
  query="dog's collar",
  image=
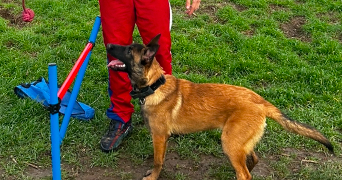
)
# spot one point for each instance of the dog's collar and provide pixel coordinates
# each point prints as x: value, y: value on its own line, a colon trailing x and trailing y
x: 148, y: 90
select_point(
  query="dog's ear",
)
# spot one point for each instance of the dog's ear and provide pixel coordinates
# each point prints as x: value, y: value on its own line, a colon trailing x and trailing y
x: 154, y: 41
x: 151, y: 50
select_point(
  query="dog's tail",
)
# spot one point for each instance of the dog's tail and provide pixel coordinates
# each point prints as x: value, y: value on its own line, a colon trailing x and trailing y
x: 297, y: 127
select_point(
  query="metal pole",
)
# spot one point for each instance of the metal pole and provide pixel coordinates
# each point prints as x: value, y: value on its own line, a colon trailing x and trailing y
x: 54, y: 123
x: 81, y: 65
x: 65, y: 86
x: 78, y: 80
x: 73, y: 98
x: 95, y: 30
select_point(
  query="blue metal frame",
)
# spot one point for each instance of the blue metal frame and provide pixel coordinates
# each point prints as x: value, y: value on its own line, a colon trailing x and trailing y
x: 73, y: 98
x: 54, y: 124
x: 57, y: 135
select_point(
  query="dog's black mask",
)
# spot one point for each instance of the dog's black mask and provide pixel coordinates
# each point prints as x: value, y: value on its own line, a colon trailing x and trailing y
x: 132, y: 57
x: 125, y: 56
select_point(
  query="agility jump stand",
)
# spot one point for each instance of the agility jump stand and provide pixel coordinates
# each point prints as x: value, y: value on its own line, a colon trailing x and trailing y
x: 58, y: 133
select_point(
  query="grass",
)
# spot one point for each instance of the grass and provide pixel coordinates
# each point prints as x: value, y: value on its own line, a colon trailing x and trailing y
x: 241, y: 42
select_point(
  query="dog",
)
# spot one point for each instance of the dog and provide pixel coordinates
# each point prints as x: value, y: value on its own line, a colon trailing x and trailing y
x: 177, y: 106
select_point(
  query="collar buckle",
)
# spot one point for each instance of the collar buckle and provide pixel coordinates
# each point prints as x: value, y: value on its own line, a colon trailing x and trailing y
x: 148, y: 90
x: 142, y: 101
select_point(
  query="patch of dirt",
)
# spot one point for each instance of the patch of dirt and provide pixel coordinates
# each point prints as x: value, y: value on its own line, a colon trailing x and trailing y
x: 238, y: 7
x: 97, y: 173
x: 14, y: 20
x: 126, y: 169
x: 303, y: 154
x: 89, y: 173
x: 300, y: 1
x: 260, y: 84
x: 304, y: 158
x: 38, y: 173
x: 340, y: 37
x: 7, y: 1
x: 211, y: 9
x: 330, y: 17
x: 250, y: 32
x: 293, y: 29
x: 192, y: 169
x: 173, y: 164
x: 333, y: 19
x: 276, y: 7
x: 262, y: 169
x: 2, y: 172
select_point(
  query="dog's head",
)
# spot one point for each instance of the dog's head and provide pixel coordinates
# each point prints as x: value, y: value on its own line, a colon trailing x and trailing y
x: 135, y: 59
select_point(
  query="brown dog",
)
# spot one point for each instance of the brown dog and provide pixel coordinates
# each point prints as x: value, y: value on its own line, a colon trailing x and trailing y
x: 178, y: 106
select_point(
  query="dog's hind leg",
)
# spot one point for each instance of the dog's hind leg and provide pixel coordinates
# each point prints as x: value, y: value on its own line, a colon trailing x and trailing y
x: 237, y: 157
x: 239, y: 136
x: 159, y: 148
x: 251, y: 161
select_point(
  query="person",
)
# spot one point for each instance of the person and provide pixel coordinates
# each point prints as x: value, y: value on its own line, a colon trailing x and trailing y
x: 119, y: 18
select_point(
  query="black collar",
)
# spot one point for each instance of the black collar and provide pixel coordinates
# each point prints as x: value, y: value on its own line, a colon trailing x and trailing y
x: 148, y: 90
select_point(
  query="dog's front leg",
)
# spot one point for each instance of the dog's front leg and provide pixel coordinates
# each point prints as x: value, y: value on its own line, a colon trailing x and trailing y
x: 159, y: 148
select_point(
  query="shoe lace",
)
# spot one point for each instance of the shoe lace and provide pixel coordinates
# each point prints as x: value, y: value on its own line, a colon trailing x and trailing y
x: 114, y: 129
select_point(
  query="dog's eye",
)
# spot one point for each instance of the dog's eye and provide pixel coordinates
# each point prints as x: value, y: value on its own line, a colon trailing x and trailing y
x: 129, y: 50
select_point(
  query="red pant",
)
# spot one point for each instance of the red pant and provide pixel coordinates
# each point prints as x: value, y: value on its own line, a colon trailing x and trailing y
x: 118, y: 19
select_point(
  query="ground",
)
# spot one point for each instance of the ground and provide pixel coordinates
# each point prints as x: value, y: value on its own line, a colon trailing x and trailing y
x: 14, y: 19
x: 199, y: 169
x: 191, y: 169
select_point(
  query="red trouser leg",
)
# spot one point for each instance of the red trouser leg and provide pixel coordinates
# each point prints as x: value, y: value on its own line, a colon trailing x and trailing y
x: 153, y: 17
x: 118, y: 19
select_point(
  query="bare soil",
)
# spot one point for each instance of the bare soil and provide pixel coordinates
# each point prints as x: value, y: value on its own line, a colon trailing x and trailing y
x: 14, y: 19
x: 293, y: 29
x: 276, y: 7
x: 199, y: 169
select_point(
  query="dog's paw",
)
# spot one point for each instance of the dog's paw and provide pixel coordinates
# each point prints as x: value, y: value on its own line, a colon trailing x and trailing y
x: 148, y: 175
x: 149, y: 172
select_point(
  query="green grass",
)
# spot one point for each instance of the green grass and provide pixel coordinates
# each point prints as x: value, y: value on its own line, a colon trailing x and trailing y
x: 238, y: 42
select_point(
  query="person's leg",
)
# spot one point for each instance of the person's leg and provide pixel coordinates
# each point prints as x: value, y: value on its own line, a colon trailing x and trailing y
x: 118, y: 20
x: 154, y: 17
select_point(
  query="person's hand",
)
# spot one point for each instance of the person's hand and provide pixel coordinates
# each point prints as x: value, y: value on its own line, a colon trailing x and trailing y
x: 191, y: 8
